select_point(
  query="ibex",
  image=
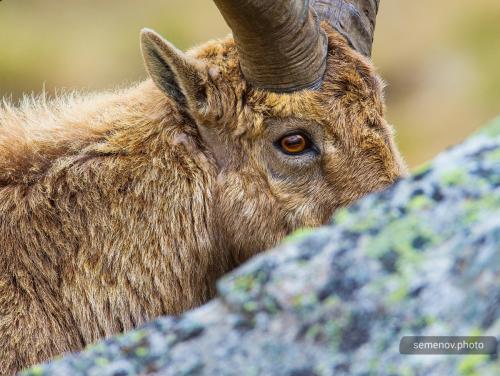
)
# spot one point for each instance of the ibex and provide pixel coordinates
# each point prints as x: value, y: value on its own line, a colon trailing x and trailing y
x: 120, y: 207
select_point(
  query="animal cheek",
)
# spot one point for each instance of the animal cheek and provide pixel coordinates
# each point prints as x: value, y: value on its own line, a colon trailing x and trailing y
x: 335, y: 168
x: 247, y: 214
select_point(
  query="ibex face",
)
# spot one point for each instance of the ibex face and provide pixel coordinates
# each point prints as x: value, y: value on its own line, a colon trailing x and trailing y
x: 286, y: 158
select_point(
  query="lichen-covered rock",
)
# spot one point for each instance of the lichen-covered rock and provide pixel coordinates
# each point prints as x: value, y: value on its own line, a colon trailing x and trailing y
x: 422, y: 258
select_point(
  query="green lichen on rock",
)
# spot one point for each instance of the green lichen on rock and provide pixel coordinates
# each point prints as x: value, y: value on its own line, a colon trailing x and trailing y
x: 421, y: 258
x: 298, y: 234
x: 491, y: 130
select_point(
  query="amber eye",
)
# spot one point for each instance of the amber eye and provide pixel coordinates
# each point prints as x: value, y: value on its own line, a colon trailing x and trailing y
x: 294, y: 144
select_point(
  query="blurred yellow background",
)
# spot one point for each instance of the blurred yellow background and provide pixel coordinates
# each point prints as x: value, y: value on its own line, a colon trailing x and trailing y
x: 440, y: 59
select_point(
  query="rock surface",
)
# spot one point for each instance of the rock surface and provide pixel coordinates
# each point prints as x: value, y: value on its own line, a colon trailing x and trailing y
x: 422, y: 258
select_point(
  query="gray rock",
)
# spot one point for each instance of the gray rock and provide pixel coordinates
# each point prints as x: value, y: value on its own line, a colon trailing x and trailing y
x: 421, y: 258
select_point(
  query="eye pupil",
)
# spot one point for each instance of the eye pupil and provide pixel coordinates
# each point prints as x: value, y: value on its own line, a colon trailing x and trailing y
x: 294, y: 144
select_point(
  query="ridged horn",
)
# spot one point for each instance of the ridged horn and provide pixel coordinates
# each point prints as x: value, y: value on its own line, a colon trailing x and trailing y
x: 281, y: 46
x: 354, y: 19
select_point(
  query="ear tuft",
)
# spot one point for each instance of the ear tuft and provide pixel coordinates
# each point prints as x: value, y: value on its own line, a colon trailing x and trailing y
x: 171, y: 70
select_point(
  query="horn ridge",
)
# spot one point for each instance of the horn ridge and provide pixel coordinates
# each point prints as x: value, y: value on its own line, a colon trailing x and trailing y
x: 281, y: 45
x: 354, y: 19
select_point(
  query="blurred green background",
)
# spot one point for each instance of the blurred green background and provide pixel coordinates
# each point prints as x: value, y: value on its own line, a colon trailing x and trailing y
x: 441, y: 59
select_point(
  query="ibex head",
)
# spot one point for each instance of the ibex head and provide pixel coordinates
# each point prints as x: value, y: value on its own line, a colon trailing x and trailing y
x: 291, y: 112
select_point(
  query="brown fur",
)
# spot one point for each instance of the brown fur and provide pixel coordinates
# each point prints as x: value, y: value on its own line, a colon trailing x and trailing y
x: 118, y: 208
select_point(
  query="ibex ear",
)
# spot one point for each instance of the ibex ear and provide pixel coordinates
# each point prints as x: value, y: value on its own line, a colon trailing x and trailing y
x: 172, y: 71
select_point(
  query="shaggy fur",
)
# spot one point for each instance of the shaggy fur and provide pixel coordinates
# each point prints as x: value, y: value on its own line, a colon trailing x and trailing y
x: 117, y: 208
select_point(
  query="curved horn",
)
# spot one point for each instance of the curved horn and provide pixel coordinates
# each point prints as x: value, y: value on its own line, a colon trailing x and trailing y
x: 281, y: 46
x: 354, y: 19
